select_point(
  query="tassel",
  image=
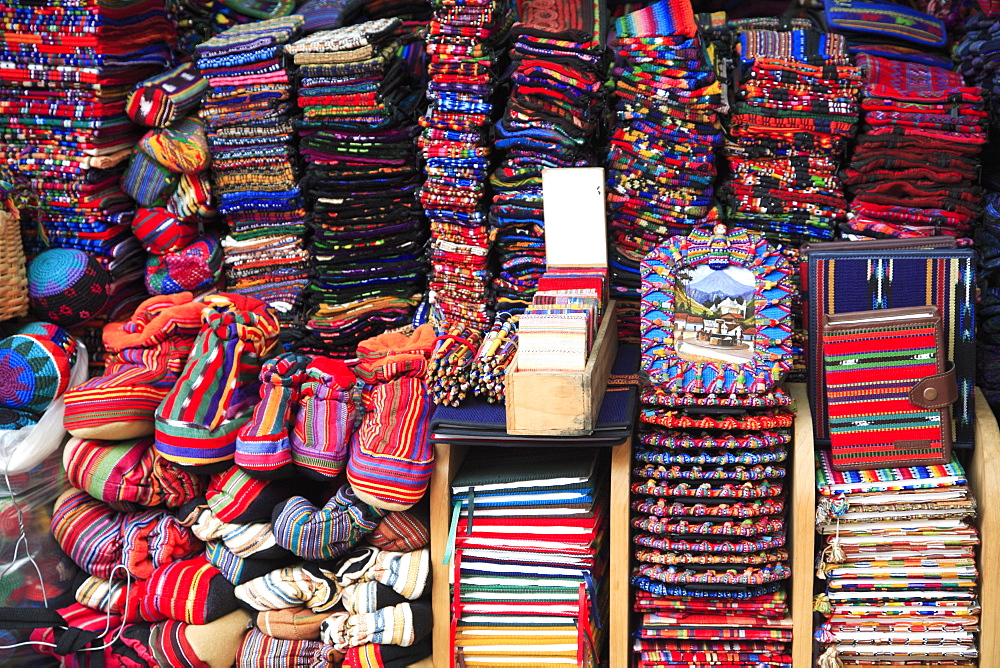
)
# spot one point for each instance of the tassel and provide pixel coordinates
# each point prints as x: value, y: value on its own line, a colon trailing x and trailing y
x: 820, y: 562
x: 837, y: 555
x: 822, y: 605
x: 830, y: 659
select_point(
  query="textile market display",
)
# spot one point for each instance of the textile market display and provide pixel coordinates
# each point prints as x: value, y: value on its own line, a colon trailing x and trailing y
x: 899, y: 565
x: 553, y: 119
x: 248, y: 112
x: 796, y: 110
x: 168, y: 175
x: 461, y: 42
x: 979, y: 64
x: 358, y: 135
x: 67, y: 74
x: 204, y: 486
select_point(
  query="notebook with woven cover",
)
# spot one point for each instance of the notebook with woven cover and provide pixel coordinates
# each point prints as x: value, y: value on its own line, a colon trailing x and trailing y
x: 889, y: 390
x: 874, y: 277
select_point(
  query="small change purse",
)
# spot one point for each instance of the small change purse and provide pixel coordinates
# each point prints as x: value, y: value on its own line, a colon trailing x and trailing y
x: 889, y: 388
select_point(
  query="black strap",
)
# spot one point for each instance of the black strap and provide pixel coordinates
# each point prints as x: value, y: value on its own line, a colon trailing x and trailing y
x: 72, y: 640
x: 30, y: 618
x: 69, y: 640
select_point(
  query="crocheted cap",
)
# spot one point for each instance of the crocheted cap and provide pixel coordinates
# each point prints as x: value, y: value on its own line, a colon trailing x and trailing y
x: 33, y: 372
x: 67, y: 287
x: 55, y: 334
x: 11, y: 419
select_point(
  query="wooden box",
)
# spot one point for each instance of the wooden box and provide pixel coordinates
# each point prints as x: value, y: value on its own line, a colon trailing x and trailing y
x: 563, y: 403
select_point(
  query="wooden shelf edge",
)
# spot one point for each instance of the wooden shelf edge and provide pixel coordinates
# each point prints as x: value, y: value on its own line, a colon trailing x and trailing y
x: 802, y: 529
x: 984, y: 479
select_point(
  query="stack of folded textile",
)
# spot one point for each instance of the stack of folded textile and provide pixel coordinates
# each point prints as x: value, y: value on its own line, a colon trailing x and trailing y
x: 900, y: 566
x: 708, y: 490
x: 67, y: 72
x: 978, y: 54
x: 360, y: 185
x: 552, y: 117
x: 893, y: 30
x: 796, y: 110
x: 248, y: 112
x: 915, y: 167
x: 456, y: 147
x: 530, y: 583
x: 661, y: 163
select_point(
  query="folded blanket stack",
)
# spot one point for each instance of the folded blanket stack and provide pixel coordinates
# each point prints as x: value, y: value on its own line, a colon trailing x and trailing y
x: 709, y: 480
x: 915, y: 167
x: 358, y: 139
x: 456, y: 147
x: 199, y: 20
x: 248, y: 112
x: 796, y: 109
x: 553, y: 116
x: 67, y: 74
x: 661, y: 161
x: 899, y: 565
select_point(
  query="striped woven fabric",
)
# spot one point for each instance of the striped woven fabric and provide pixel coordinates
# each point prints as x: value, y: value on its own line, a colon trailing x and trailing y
x: 262, y: 446
x: 244, y: 540
x: 237, y: 570
x: 868, y: 379
x: 667, y: 17
x: 168, y: 97
x: 128, y: 472
x: 324, y: 420
x: 326, y: 533
x: 98, y: 539
x: 391, y: 457
x: 148, y: 182
x: 308, y: 585
x: 169, y: 644
x: 145, y: 356
x: 161, y: 232
x: 260, y: 650
x: 197, y: 423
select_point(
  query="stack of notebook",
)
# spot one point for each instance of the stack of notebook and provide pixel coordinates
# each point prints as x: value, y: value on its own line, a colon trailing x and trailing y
x: 899, y: 565
x: 528, y: 558
x: 558, y: 329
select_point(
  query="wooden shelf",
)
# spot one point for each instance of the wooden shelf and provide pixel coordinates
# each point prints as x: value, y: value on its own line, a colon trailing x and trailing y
x: 984, y: 478
x: 449, y: 459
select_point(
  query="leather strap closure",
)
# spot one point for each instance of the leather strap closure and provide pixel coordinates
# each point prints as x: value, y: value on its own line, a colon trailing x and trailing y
x: 937, y: 391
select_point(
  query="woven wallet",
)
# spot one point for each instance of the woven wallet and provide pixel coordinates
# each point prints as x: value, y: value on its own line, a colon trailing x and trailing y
x: 889, y: 393
x: 874, y: 276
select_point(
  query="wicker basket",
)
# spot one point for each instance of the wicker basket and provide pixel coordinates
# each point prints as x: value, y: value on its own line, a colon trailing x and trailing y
x: 13, y: 273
